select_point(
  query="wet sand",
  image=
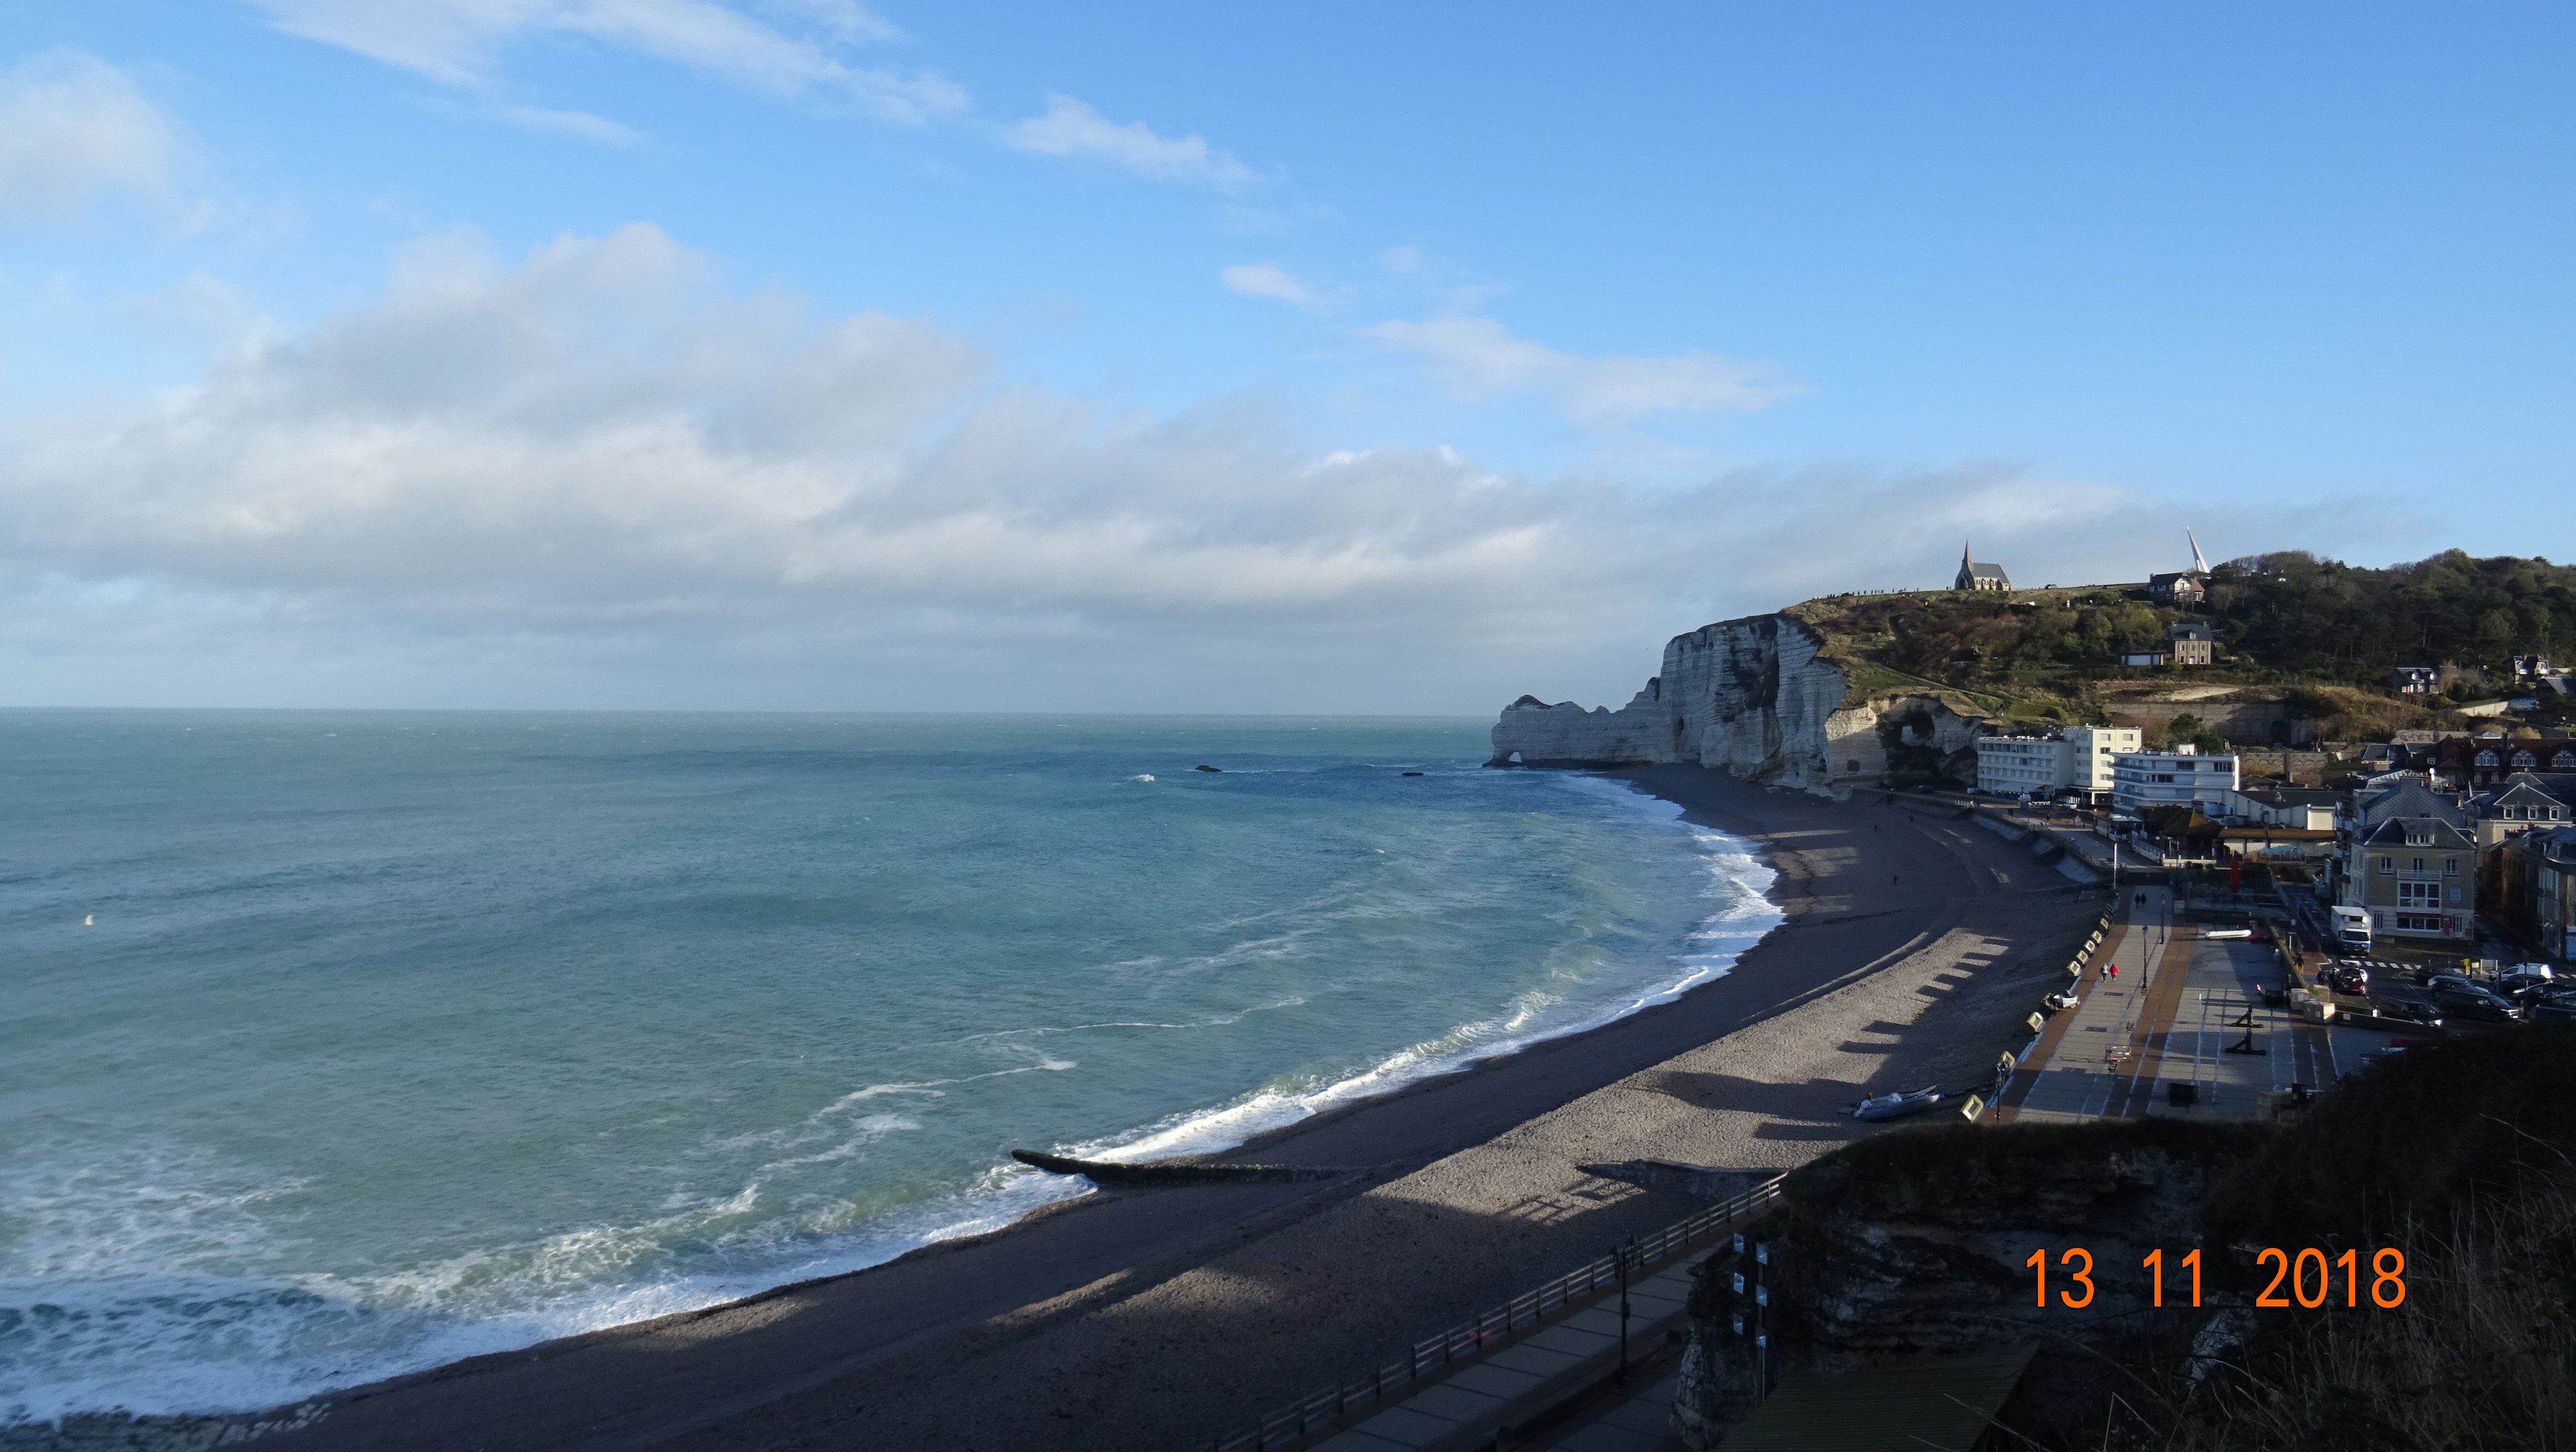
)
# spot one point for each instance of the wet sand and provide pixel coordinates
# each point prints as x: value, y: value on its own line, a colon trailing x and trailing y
x: 1163, y: 1317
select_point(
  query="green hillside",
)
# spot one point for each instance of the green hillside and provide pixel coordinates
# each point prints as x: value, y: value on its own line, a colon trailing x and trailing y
x: 2317, y: 634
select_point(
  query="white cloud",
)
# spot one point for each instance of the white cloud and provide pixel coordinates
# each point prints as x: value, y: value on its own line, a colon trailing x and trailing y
x: 1069, y: 128
x: 459, y: 42
x: 75, y: 130
x: 1263, y: 279
x: 568, y: 123
x: 597, y: 477
x: 1480, y: 358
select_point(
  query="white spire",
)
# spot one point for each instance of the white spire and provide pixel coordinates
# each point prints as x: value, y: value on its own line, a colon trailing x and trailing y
x: 2199, y: 562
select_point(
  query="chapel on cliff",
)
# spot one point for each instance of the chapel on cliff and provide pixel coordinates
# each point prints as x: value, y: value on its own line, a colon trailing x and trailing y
x: 1974, y: 576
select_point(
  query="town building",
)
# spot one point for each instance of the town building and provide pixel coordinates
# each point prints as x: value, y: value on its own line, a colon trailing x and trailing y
x: 2191, y: 644
x: 2181, y: 777
x: 2539, y: 890
x: 2486, y: 760
x: 2409, y: 860
x: 2039, y: 763
x: 2524, y: 802
x: 2304, y: 809
x: 1976, y: 577
x: 2415, y: 681
x: 2145, y: 657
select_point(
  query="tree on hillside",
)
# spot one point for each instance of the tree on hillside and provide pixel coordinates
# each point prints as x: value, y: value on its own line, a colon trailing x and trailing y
x: 2295, y: 612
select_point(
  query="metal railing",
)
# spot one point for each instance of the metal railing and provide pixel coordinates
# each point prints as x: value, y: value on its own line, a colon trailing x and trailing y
x: 1332, y: 1406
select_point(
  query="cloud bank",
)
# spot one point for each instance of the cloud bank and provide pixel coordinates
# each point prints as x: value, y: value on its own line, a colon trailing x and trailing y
x: 75, y: 131
x: 600, y: 459
x: 1480, y: 359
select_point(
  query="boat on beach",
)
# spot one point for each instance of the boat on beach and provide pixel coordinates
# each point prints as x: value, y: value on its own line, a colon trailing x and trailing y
x: 1896, y: 1105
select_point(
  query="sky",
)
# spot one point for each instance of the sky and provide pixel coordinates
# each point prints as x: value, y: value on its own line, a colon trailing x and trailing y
x: 1329, y: 358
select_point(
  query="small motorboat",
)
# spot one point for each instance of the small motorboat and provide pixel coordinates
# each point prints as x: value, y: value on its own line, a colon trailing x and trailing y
x: 1895, y: 1106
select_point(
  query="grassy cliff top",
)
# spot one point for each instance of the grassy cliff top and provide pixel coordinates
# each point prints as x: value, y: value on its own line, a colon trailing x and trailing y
x: 2315, y: 634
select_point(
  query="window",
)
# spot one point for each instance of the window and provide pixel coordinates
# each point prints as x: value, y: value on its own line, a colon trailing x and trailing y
x: 2486, y: 758
x: 2388, y: 864
x: 2412, y: 923
x: 2450, y: 867
x: 2419, y: 865
x: 2419, y: 894
x: 2525, y: 761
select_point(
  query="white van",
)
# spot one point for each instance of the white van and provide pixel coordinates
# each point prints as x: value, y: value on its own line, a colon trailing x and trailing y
x: 2351, y: 928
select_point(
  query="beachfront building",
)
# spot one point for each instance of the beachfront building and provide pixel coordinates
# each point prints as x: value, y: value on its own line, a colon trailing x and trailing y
x: 2181, y: 777
x: 2018, y: 766
x: 1976, y: 577
x: 2090, y: 751
x: 2040, y: 763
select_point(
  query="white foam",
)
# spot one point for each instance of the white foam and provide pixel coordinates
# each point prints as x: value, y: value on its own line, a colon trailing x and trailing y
x: 1737, y: 878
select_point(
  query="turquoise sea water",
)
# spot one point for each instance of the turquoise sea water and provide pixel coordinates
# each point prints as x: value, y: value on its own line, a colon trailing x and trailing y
x: 339, y: 1045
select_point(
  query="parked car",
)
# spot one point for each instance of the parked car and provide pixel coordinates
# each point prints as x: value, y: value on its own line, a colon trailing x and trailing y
x: 2522, y: 981
x: 2561, y: 1009
x: 2390, y: 1017
x: 2437, y: 981
x: 2460, y: 998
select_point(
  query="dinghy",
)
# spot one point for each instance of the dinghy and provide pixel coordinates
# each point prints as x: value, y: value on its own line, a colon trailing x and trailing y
x: 1891, y: 1106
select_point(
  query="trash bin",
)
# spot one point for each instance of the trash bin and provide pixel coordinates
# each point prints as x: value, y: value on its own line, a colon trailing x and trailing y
x: 2181, y: 1095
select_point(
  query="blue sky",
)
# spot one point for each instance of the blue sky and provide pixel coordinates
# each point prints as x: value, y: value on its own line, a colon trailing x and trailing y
x: 792, y: 353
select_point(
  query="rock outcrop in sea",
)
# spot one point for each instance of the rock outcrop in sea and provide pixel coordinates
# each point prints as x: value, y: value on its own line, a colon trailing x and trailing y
x: 1756, y: 698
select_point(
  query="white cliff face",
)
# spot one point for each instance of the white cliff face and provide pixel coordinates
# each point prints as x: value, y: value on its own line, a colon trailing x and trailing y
x: 1748, y: 696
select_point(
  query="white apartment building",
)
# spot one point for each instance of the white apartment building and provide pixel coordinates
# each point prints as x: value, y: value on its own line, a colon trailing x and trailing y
x: 2090, y: 750
x: 2181, y: 777
x: 2079, y: 757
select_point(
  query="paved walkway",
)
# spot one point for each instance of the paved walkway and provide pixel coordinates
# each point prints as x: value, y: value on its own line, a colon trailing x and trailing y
x: 1540, y: 1370
x: 1639, y: 1423
x: 2185, y: 1009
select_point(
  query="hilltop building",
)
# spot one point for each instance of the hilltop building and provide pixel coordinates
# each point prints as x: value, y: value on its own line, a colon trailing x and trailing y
x: 2415, y: 680
x: 2183, y: 587
x: 1977, y: 577
x: 2191, y: 644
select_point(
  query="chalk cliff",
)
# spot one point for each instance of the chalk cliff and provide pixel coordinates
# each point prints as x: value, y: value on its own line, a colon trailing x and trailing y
x: 1754, y: 697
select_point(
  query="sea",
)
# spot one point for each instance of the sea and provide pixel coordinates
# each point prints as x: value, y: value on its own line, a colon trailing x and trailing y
x: 340, y: 1045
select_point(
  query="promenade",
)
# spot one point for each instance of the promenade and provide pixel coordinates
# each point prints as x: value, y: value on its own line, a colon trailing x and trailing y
x: 2184, y: 1009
